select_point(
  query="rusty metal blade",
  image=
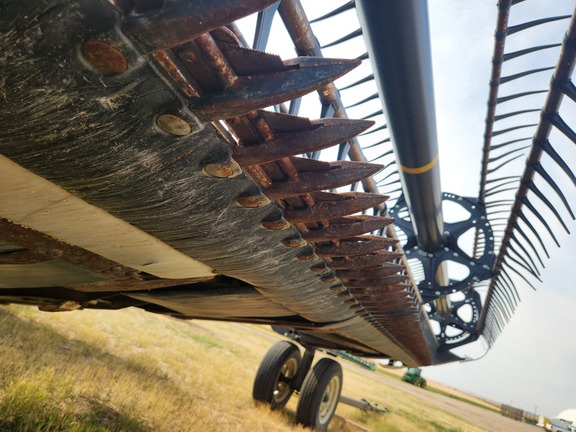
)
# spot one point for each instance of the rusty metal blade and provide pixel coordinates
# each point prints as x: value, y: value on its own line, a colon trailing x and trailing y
x: 302, y: 76
x: 388, y: 282
x: 344, y: 204
x: 390, y: 303
x: 369, y: 273
x: 342, y: 173
x: 280, y: 122
x: 373, y: 259
x: 382, y: 300
x: 355, y: 246
x: 326, y: 133
x: 246, y: 61
x: 175, y: 23
x: 347, y: 227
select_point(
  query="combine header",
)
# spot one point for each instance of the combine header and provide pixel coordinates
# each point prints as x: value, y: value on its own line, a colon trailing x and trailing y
x: 150, y: 157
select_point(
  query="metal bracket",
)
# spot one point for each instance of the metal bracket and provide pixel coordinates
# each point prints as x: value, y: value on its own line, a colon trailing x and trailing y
x: 458, y: 329
x: 479, y: 266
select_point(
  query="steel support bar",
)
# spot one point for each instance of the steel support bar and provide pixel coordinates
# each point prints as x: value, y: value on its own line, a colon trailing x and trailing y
x: 362, y: 404
x: 398, y: 42
x: 403, y: 73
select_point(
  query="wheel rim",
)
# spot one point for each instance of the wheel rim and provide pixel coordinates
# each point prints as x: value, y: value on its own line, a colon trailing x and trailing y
x: 282, y: 389
x: 329, y: 400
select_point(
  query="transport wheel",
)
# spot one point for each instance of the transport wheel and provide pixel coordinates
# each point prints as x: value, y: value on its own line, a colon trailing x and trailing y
x: 320, y: 395
x: 279, y: 366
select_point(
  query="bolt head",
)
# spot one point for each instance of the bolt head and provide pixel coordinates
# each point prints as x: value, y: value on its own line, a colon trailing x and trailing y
x: 254, y: 201
x: 173, y: 125
x: 226, y: 169
x: 294, y: 242
x: 307, y: 257
x: 104, y: 56
x: 276, y: 225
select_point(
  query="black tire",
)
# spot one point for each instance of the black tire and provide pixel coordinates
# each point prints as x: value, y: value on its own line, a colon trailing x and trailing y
x: 320, y: 395
x: 272, y: 383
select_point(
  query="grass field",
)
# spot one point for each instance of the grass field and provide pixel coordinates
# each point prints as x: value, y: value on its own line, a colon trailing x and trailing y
x: 134, y: 371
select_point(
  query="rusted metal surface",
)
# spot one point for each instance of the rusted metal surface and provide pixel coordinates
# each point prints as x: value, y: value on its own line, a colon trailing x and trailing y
x: 173, y: 124
x: 329, y: 206
x: 299, y: 28
x: 377, y: 282
x: 337, y: 174
x: 140, y: 285
x: 230, y: 224
x: 174, y: 23
x: 355, y: 246
x: 104, y: 56
x: 37, y: 247
x: 322, y: 134
x: 369, y: 273
x: 166, y: 64
x: 252, y: 92
x: 372, y: 259
x: 349, y: 226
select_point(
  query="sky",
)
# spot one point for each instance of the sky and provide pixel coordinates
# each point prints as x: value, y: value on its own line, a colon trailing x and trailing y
x: 531, y: 365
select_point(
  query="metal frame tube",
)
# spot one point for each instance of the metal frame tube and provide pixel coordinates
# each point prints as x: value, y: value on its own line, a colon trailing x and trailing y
x: 403, y: 71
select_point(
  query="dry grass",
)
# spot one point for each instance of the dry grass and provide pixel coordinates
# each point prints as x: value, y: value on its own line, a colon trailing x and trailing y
x: 133, y: 371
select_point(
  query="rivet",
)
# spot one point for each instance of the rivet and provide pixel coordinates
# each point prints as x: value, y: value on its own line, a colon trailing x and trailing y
x: 294, y: 242
x: 276, y: 225
x: 321, y: 268
x: 253, y: 201
x: 104, y: 56
x: 307, y: 257
x: 329, y: 278
x: 173, y: 125
x: 225, y: 169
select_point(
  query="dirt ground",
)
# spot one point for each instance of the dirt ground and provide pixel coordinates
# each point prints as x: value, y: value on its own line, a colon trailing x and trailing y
x: 451, y: 390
